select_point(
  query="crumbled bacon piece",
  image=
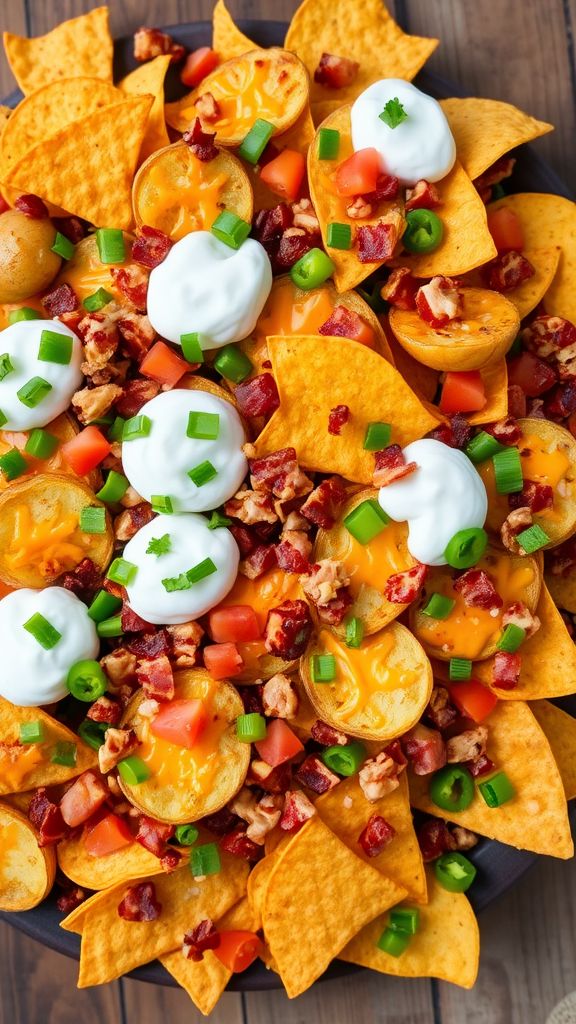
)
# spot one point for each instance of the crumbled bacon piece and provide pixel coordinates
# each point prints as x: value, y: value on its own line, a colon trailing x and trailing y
x: 99, y: 334
x: 499, y: 171
x: 294, y: 557
x: 378, y: 776
x: 532, y: 374
x: 258, y: 396
x: 156, y: 678
x: 335, y: 72
x: 434, y: 838
x: 456, y: 433
x: 32, y: 206
x: 133, y: 623
x: 424, y: 195
x: 376, y: 835
x: 269, y: 225
x: 262, y: 815
x: 516, y: 401
x: 394, y: 750
x: 259, y: 561
x: 467, y: 745
x: 400, y: 289
x: 170, y: 860
x: 207, y: 107
x: 508, y: 271
x: 376, y: 242
x: 506, y: 670
x: 288, y: 629
x: 506, y: 431
x: 153, y: 835
x: 204, y: 936
x: 552, y: 338
x: 293, y: 245
x: 46, y: 818
x: 439, y: 301
x: 73, y: 228
x: 118, y: 744
x: 298, y: 809
x: 105, y: 709
x: 135, y: 394
x: 62, y: 299
x: 71, y: 898
x: 279, y: 474
x: 151, y: 247
x: 201, y: 143
x: 534, y: 496
x: 441, y: 712
x: 480, y: 766
x: 314, y: 774
x: 337, y: 419
x: 387, y: 187
x: 127, y: 524
x: 518, y: 614
x: 139, y: 903
x: 359, y: 208
x: 238, y: 844
x: 404, y: 587
x: 151, y: 42
x: 325, y: 581
x: 85, y: 796
x: 271, y: 780
x: 83, y: 580
x: 322, y: 506
x: 185, y: 640
x: 334, y: 611
x: 560, y: 402
x: 342, y: 323
x: 137, y: 335
x: 221, y: 822
x: 327, y: 735
x: 390, y: 465
x: 478, y: 590
x: 517, y: 521
x: 132, y: 282
x: 251, y: 507
x: 90, y: 404
x: 120, y: 667
x: 425, y: 748
x: 150, y: 645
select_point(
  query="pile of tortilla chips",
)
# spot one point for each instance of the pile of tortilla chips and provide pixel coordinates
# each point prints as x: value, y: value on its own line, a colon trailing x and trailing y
x: 77, y: 140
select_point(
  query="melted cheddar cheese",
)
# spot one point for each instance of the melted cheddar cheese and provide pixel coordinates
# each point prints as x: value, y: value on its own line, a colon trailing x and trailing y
x: 51, y: 545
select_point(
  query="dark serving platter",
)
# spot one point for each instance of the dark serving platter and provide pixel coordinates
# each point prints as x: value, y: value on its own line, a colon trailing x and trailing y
x: 499, y: 866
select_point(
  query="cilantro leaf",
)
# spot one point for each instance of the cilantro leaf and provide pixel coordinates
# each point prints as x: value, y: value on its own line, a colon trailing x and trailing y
x: 173, y: 583
x: 393, y: 113
x: 159, y: 545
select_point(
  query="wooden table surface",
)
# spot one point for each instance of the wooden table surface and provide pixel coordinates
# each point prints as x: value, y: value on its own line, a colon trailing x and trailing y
x: 517, y: 50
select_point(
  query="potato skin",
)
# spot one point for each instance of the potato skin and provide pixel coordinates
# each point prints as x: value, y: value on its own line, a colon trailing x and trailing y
x: 27, y: 263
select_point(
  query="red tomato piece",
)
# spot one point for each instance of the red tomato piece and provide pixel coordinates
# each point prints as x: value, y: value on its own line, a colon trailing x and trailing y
x: 506, y: 230
x: 86, y: 451
x: 462, y: 392
x: 86, y: 794
x: 279, y: 745
x: 223, y: 660
x: 161, y: 363
x: 198, y: 64
x: 180, y: 722
x: 237, y: 950
x: 238, y: 623
x: 473, y: 699
x: 107, y: 836
x: 359, y: 173
x: 284, y: 174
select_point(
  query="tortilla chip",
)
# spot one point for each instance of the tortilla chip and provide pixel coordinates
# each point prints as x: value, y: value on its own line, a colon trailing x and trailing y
x: 101, y: 872
x: 401, y: 860
x: 562, y: 590
x: 258, y: 883
x: 548, y: 221
x: 484, y: 130
x: 62, y: 169
x: 112, y: 946
x: 467, y: 243
x: 83, y: 43
x: 227, y: 39
x: 27, y: 766
x: 312, y: 894
x: 537, y: 817
x: 331, y: 208
x: 495, y: 379
x: 364, y: 32
x: 531, y: 292
x: 422, y: 379
x: 560, y: 731
x: 446, y: 945
x: 313, y: 375
x: 5, y: 113
x: 148, y: 80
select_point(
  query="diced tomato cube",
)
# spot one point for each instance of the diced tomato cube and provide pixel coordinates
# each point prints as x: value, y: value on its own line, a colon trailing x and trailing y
x: 284, y: 174
x: 473, y: 699
x: 161, y: 363
x: 462, y: 392
x: 198, y: 64
x: 506, y: 230
x: 237, y: 623
x: 279, y: 745
x: 223, y: 660
x: 180, y: 722
x: 86, y: 451
x: 237, y: 950
x: 107, y: 836
x: 359, y: 173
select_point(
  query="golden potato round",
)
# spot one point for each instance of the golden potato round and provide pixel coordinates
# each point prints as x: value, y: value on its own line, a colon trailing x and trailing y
x: 86, y: 273
x: 26, y: 871
x: 27, y: 263
x: 64, y: 427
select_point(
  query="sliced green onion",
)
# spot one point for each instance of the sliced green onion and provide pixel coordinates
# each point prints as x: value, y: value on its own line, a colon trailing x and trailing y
x: 121, y: 571
x: 466, y: 547
x: 511, y: 638
x: 93, y: 519
x: 86, y: 681
x: 452, y: 788
x: 95, y: 302
x: 186, y: 835
x: 203, y: 425
x: 354, y: 632
x: 189, y: 578
x: 191, y: 347
x: 311, y: 270
x: 34, y: 391
x: 202, y: 473
x: 55, y: 348
x: 6, y: 365
x: 111, y: 247
x: 232, y: 364
x: 374, y: 297
x: 339, y: 236
x: 103, y: 606
x: 323, y: 668
x: 366, y: 521
x: 393, y: 113
x: 508, y: 471
x: 254, y: 144
x: 393, y: 942
x: 328, y: 144
x: 483, y: 447
x: 114, y: 488
x: 117, y: 429
x: 136, y: 426
x: 32, y: 732
x: 43, y: 631
x: 64, y: 753
x: 250, y: 728
x: 498, y: 790
x: 230, y: 229
x: 532, y: 539
x: 12, y: 464
x: 438, y: 606
x: 62, y: 246
x: 41, y: 444
x: 133, y: 770
x: 3, y: 419
x: 459, y: 669
x: 454, y: 872
x: 205, y: 860
x: 424, y: 231
x: 93, y: 733
x: 24, y: 313
x: 217, y: 520
x: 377, y: 436
x: 405, y: 919
x: 110, y: 627
x: 345, y: 760
x: 162, y: 503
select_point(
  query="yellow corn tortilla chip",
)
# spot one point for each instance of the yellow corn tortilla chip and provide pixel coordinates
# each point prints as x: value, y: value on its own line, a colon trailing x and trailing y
x: 531, y: 292
x: 495, y: 379
x: 64, y: 168
x: 227, y: 39
x: 313, y: 894
x: 484, y: 130
x: 83, y: 43
x: 101, y: 872
x: 26, y: 766
x: 5, y: 113
x: 148, y: 80
x: 560, y: 731
x: 364, y: 32
x: 446, y: 945
x: 536, y: 818
x: 549, y: 221
x: 258, y: 883
x: 401, y: 860
x: 467, y: 243
x: 313, y: 375
x: 562, y: 590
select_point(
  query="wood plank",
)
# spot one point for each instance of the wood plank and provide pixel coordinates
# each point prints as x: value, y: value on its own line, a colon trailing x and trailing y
x: 13, y: 20
x: 40, y: 986
x: 149, y: 1004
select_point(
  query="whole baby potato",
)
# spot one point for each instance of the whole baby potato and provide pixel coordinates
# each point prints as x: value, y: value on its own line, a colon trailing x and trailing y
x: 27, y: 263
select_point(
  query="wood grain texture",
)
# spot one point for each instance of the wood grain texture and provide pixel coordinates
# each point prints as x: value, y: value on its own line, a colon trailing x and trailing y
x: 151, y: 1004
x: 13, y: 19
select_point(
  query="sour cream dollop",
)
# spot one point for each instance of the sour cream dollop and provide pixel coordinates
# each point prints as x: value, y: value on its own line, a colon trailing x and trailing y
x: 160, y: 463
x: 443, y: 496
x: 21, y: 342
x: 422, y: 146
x: 189, y: 543
x: 205, y: 286
x: 31, y: 675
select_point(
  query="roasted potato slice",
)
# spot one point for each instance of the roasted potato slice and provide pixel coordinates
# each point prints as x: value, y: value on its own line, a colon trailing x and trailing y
x: 86, y: 273
x: 101, y: 872
x: 64, y: 428
x: 26, y: 871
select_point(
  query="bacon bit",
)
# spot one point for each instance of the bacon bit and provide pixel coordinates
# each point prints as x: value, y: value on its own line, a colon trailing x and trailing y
x: 251, y: 507
x: 322, y: 507
x: 91, y: 403
x: 150, y: 645
x: 131, y: 622
x: 338, y: 418
x: 120, y: 667
x: 560, y: 402
x: 536, y: 497
x: 135, y: 394
x: 238, y: 844
x: 304, y: 216
x: 425, y: 748
x: 404, y: 587
x: 293, y: 245
x: 335, y: 72
x: 288, y: 629
x: 100, y: 335
x: 185, y: 640
x: 376, y: 836
x: 132, y: 282
x: 314, y: 774
x: 201, y: 143
x: 394, y: 750
x: 170, y: 860
x: 269, y: 225
x: 137, y: 335
x: 359, y: 209
x: 153, y: 835
x: 508, y: 271
x: 507, y: 431
x: 72, y: 227
x: 118, y: 744
x: 516, y: 401
x: 424, y: 195
x: 439, y: 301
x: 334, y: 611
x: 259, y: 561
x: 400, y: 289
x: 378, y: 776
x: 208, y: 108
x: 506, y: 670
x: 258, y: 396
x: 467, y: 745
x: 82, y: 581
x: 221, y: 821
x: 387, y: 187
x: 139, y: 903
x: 71, y: 898
x: 279, y: 474
x: 516, y: 521
x: 441, y: 712
x: 46, y: 818
x: 85, y: 796
x: 127, y: 524
x: 32, y: 206
x: 390, y: 465
x: 342, y: 323
x: 532, y: 374
x: 376, y: 242
x: 328, y: 578
x: 204, y: 936
x: 464, y: 838
x: 271, y: 780
x: 434, y: 838
x: 327, y: 735
x: 550, y: 336
x: 480, y: 766
x: 156, y: 678
x: 298, y: 809
x: 151, y: 247
x: 262, y: 815
x: 151, y: 42
x: 245, y: 538
x: 62, y: 299
x: 456, y: 433
x: 105, y: 710
x: 478, y: 590
x: 499, y: 171
x: 292, y: 558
